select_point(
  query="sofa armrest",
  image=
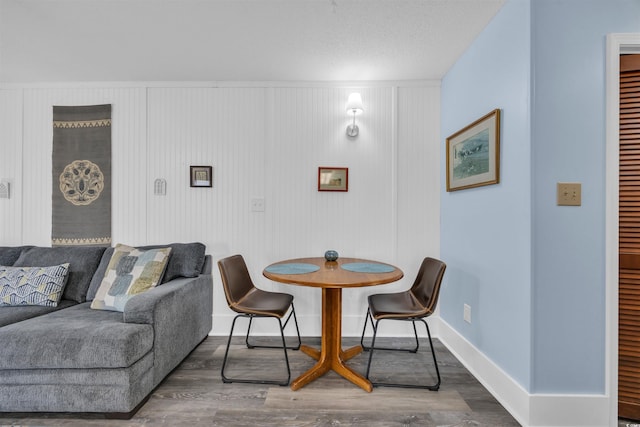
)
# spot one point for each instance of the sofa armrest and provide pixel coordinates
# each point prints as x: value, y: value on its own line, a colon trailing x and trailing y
x: 174, y: 296
x: 180, y: 312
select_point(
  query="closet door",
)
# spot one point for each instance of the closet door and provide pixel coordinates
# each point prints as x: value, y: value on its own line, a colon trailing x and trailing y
x: 629, y: 250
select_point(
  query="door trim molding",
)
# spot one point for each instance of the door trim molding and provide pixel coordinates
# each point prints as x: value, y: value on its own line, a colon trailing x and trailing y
x: 616, y: 44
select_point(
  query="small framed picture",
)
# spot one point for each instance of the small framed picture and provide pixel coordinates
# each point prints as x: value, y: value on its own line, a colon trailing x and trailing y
x: 473, y: 154
x: 333, y: 179
x: 201, y: 176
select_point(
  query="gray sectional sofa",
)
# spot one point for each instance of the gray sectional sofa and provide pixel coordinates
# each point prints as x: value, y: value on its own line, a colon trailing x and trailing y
x: 72, y: 358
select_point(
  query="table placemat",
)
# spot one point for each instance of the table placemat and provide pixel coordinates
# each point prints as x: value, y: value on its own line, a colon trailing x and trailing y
x: 368, y: 267
x: 292, y: 268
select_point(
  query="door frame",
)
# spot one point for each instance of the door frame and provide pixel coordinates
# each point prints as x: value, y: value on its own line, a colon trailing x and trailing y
x: 617, y: 44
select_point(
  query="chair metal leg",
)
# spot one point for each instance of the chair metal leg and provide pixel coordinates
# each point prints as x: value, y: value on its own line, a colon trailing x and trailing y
x: 373, y: 343
x: 246, y: 339
x: 295, y: 320
x: 375, y: 329
x: 433, y: 353
x: 364, y: 329
x: 433, y: 387
x: 226, y: 379
x: 226, y: 352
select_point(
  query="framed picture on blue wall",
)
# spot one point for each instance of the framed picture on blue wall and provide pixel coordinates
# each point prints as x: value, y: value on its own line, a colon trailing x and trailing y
x: 473, y: 154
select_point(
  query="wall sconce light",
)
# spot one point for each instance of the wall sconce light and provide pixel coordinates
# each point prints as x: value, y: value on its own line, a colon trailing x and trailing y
x: 354, y: 106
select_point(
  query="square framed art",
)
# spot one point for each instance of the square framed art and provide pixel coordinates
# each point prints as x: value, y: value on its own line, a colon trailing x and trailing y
x: 201, y: 176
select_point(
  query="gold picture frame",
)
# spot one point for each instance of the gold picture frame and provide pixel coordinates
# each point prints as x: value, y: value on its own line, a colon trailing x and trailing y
x: 473, y: 154
x: 333, y: 179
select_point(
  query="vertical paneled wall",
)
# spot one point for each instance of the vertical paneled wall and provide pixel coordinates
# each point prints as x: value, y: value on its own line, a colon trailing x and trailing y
x: 304, y: 222
x: 418, y: 175
x: 11, y: 166
x: 263, y: 142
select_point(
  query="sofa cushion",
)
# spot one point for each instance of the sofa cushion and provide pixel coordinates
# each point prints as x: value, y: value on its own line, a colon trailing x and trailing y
x: 32, y: 285
x: 96, y: 280
x: 83, y: 261
x: 130, y: 272
x: 9, y: 254
x: 9, y: 315
x: 186, y: 259
x: 74, y: 338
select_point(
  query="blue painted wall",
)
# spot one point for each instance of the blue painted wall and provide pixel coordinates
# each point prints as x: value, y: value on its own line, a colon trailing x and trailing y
x: 486, y: 231
x: 533, y: 272
x: 568, y: 133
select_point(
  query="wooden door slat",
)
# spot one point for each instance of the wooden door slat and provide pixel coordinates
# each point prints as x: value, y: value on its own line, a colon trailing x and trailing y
x: 629, y: 240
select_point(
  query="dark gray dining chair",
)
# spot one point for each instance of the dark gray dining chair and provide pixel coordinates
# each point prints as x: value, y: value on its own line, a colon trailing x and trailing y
x: 415, y: 304
x: 248, y: 301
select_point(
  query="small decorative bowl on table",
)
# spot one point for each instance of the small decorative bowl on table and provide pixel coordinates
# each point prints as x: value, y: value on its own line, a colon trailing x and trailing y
x: 331, y: 255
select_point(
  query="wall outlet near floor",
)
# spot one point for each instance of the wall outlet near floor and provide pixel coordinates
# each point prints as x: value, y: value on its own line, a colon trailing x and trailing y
x: 466, y: 315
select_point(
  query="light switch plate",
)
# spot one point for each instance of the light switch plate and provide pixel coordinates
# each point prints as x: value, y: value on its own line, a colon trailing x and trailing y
x: 569, y: 194
x: 5, y: 189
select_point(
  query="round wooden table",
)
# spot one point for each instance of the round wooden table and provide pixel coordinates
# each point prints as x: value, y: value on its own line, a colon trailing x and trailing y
x: 332, y: 278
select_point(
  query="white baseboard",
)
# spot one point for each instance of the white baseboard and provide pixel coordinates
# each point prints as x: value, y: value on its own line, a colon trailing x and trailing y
x: 531, y: 410
x: 569, y: 410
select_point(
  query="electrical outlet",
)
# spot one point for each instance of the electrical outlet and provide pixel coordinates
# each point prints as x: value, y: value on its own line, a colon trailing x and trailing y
x: 466, y: 315
x: 257, y: 205
x: 569, y: 194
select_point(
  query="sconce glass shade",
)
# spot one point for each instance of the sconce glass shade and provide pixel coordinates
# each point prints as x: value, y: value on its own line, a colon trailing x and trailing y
x: 354, y: 104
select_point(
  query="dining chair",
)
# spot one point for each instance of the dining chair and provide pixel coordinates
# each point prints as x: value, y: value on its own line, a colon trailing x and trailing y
x: 248, y: 301
x: 415, y: 304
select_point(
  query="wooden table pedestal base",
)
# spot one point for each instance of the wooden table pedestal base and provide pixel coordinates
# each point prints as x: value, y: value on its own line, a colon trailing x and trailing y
x: 331, y: 356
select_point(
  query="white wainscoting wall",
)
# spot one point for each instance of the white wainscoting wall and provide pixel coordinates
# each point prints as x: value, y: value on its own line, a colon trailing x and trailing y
x: 264, y: 141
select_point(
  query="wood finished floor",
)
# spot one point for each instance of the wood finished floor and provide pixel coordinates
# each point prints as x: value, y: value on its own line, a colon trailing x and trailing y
x: 194, y: 394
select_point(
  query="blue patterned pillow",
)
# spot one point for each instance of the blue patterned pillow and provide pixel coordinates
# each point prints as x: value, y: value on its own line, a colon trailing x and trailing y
x: 131, y: 271
x: 32, y: 285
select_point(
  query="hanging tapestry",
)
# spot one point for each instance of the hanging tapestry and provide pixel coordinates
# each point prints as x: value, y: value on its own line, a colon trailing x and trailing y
x: 81, y: 212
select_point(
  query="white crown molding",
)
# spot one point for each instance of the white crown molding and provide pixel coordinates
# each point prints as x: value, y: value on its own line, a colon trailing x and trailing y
x: 220, y: 84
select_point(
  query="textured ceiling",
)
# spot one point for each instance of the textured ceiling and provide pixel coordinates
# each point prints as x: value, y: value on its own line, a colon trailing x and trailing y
x: 235, y: 40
